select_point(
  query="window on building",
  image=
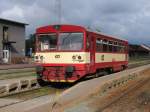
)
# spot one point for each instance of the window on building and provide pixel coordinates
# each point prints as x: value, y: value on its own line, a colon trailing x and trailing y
x: 5, y: 37
x: 5, y: 33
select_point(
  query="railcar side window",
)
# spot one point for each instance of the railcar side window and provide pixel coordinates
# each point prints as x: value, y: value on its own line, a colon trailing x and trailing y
x: 105, y: 45
x: 47, y: 42
x: 121, y: 48
x: 98, y: 45
x: 110, y: 46
x: 115, y: 47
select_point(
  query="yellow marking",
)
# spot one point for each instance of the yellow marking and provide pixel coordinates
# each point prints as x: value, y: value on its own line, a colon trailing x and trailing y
x: 62, y: 80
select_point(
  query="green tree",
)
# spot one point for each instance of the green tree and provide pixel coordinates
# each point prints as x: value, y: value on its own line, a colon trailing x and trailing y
x: 30, y: 43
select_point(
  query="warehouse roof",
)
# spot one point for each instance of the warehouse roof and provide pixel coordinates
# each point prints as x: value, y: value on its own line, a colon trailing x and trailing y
x: 12, y: 21
x: 139, y: 48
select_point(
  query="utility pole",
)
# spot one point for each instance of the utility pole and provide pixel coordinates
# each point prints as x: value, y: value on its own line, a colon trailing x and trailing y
x: 58, y: 11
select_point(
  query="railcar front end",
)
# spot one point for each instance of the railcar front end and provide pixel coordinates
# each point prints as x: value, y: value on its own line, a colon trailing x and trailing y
x: 60, y: 54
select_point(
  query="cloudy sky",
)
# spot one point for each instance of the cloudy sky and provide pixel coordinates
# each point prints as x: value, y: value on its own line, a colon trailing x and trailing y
x: 128, y: 19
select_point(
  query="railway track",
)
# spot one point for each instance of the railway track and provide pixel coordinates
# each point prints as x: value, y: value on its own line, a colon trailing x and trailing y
x: 47, y: 91
x: 135, y: 87
x: 137, y: 64
x: 136, y: 99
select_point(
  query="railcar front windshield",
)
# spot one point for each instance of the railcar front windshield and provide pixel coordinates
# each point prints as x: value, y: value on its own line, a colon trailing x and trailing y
x: 70, y: 41
x: 60, y: 42
x: 47, y: 42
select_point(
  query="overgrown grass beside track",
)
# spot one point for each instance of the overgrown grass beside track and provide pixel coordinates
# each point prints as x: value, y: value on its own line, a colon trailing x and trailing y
x: 139, y: 58
x: 35, y: 93
x: 13, y: 76
x: 139, y: 61
x: 17, y: 73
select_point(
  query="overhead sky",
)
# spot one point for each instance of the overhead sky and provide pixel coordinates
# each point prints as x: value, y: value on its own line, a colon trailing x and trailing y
x: 128, y: 19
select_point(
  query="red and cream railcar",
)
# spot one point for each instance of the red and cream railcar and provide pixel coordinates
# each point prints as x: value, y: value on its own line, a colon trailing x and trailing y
x: 66, y: 53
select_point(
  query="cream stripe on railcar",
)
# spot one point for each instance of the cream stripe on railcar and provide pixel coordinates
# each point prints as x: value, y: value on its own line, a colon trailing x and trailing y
x: 65, y: 57
x: 109, y: 57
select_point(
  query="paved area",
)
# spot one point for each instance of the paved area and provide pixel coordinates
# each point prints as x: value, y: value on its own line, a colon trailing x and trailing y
x: 34, y: 104
x: 6, y: 102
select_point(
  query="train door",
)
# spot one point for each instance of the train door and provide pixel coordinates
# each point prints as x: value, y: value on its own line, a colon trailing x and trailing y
x: 92, y: 54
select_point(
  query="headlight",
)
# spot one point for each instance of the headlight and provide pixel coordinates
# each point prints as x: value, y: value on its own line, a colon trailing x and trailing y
x: 73, y: 57
x: 79, y: 57
x: 36, y: 57
x: 41, y: 57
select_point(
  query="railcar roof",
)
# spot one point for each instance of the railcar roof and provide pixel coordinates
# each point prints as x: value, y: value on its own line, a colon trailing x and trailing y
x: 62, y: 28
x: 62, y: 25
x: 106, y: 35
x: 81, y: 28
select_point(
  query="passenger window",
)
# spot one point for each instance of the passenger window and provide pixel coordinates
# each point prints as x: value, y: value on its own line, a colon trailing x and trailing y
x: 121, y: 48
x: 105, y: 45
x: 115, y: 47
x: 98, y: 45
x: 110, y: 46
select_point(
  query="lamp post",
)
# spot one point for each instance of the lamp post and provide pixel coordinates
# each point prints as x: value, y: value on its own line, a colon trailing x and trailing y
x: 58, y: 11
